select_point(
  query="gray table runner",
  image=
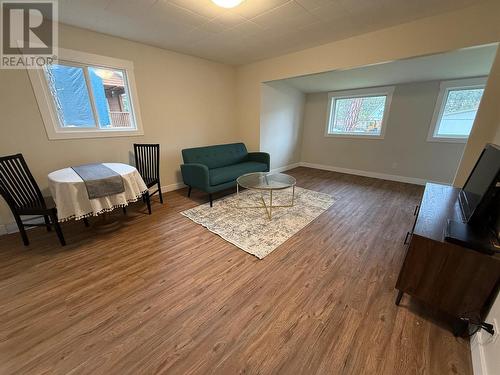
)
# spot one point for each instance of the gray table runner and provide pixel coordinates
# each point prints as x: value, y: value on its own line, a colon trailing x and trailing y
x: 100, y: 180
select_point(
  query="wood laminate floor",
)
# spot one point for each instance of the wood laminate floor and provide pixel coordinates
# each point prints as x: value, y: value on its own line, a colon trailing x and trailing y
x: 161, y: 294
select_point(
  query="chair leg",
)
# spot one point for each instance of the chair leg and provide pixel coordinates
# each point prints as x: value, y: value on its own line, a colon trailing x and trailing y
x: 159, y: 192
x: 189, y: 191
x: 58, y: 229
x: 211, y: 200
x: 86, y: 222
x: 47, y: 222
x: 148, y: 201
x: 22, y: 231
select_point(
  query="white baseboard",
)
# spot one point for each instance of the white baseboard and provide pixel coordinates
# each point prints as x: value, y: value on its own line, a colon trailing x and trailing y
x: 172, y: 187
x: 382, y: 176
x: 180, y: 185
x: 477, y: 354
x: 285, y: 168
x: 12, y: 227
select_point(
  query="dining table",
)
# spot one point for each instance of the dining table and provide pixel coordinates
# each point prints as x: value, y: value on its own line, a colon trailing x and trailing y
x: 72, y: 200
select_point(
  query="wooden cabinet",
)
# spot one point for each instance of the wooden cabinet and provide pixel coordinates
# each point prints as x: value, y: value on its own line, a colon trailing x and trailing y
x: 456, y: 280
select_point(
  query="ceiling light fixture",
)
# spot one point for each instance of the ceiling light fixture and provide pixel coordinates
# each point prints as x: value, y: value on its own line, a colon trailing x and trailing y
x: 227, y: 3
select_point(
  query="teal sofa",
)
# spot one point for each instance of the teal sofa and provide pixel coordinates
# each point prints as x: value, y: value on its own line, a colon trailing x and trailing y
x: 215, y: 168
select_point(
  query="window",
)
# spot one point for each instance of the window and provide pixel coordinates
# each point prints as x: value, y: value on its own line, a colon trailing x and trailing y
x: 456, y: 109
x: 85, y: 96
x: 359, y: 113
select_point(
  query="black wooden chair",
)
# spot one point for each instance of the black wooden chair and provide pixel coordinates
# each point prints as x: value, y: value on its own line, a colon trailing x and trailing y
x: 147, y: 162
x: 22, y: 194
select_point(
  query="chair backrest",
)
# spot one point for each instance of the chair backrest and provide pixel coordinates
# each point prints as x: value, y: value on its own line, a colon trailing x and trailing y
x: 17, y: 185
x: 147, y: 160
x: 216, y: 156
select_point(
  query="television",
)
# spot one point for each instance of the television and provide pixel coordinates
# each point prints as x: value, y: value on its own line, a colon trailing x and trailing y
x: 478, y: 192
x: 479, y: 201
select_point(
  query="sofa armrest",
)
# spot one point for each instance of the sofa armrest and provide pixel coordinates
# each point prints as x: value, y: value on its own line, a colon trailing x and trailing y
x: 195, y: 175
x: 261, y: 157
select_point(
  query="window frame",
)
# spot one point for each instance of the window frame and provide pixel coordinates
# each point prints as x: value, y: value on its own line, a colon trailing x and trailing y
x: 386, y: 91
x: 444, y: 88
x: 82, y: 59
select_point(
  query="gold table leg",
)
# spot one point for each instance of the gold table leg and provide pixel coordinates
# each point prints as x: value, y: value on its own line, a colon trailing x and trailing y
x: 268, y: 208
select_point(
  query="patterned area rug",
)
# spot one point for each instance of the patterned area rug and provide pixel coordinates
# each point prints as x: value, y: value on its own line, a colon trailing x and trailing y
x: 250, y: 228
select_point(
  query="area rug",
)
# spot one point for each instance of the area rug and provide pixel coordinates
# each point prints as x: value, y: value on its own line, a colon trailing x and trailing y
x: 250, y: 228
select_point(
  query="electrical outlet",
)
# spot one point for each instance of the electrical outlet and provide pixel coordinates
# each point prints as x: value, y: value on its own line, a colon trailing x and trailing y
x: 484, y: 338
x: 495, y: 328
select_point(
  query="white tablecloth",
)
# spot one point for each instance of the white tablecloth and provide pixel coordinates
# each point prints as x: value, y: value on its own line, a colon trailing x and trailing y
x: 71, y: 198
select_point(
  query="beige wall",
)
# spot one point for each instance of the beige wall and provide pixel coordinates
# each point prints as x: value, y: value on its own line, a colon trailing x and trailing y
x: 463, y: 28
x: 185, y: 101
x: 496, y: 140
x: 486, y: 125
x: 281, y: 123
x: 404, y: 151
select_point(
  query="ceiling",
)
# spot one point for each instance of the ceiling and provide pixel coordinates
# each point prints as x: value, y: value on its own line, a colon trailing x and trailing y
x: 255, y: 30
x: 470, y: 62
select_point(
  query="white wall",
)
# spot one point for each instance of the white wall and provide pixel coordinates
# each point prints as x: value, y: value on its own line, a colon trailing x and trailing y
x: 185, y: 101
x: 466, y: 27
x: 486, y: 348
x: 281, y: 123
x: 404, y: 151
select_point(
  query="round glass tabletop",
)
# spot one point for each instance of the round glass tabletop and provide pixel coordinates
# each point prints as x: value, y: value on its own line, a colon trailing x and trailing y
x: 266, y: 181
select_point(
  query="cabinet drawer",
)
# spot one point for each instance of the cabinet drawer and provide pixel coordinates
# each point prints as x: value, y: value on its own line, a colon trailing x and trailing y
x: 451, y: 278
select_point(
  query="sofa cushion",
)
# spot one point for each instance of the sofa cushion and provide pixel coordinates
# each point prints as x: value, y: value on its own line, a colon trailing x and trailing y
x: 232, y: 172
x: 216, y: 156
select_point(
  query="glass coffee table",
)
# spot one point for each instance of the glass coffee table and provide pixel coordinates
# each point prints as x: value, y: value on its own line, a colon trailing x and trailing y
x: 266, y: 181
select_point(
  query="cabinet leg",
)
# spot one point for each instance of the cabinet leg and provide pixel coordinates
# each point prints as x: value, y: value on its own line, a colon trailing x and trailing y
x: 406, y: 238
x: 460, y: 327
x: 398, y: 298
